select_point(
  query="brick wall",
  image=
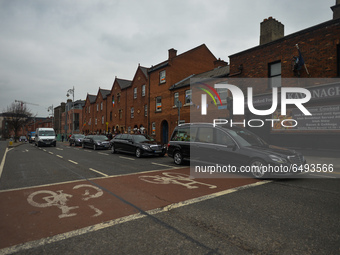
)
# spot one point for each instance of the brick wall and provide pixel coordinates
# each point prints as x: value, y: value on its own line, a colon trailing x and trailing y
x: 194, y: 61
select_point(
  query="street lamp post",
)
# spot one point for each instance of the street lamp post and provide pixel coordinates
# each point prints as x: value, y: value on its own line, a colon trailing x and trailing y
x: 50, y: 108
x: 71, y: 91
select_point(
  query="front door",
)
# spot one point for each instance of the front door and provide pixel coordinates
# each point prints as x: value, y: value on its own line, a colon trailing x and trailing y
x: 165, y: 132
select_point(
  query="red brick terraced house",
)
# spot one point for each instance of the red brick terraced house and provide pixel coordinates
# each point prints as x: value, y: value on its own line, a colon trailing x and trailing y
x: 88, y: 114
x: 137, y: 102
x: 276, y: 58
x: 118, y: 105
x: 100, y: 112
x: 162, y: 76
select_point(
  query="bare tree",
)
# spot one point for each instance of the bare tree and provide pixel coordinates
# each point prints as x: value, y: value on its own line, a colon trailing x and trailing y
x: 17, y: 116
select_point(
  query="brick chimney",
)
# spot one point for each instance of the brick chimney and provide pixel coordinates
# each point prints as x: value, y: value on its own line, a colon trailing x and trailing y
x: 219, y: 62
x: 172, y: 53
x: 336, y: 10
x: 271, y: 30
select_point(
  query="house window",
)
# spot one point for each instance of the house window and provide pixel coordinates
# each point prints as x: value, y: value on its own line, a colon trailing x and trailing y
x: 188, y: 96
x: 134, y: 93
x: 101, y: 106
x: 102, y: 119
x: 110, y: 116
x: 90, y: 122
x: 89, y: 109
x: 132, y: 112
x: 143, y: 90
x: 146, y: 110
x: 275, y: 74
x: 162, y: 77
x: 95, y: 121
x: 153, y: 131
x: 97, y: 107
x: 158, y: 104
x: 118, y: 97
x: 176, y: 99
x: 120, y: 114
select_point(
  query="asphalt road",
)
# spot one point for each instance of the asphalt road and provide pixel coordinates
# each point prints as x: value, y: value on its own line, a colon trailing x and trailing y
x: 291, y: 216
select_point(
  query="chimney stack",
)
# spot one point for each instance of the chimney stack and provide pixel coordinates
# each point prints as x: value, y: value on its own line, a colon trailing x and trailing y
x: 271, y: 30
x: 336, y: 10
x: 172, y: 53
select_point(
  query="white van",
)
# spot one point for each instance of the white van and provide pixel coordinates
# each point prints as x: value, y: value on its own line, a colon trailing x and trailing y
x: 45, y: 136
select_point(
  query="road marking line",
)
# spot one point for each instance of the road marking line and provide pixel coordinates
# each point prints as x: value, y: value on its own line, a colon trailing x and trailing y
x: 60, y: 156
x: 76, y: 149
x: 98, y: 172
x: 50, y: 152
x: 73, y: 162
x: 3, y: 161
x: 87, y: 151
x: 91, y: 179
x: 161, y: 165
x: 44, y: 150
x: 93, y: 228
x: 60, y: 149
x: 102, y: 153
x: 127, y: 158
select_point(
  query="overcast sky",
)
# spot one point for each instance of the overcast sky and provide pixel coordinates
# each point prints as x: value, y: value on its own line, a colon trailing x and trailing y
x: 47, y: 47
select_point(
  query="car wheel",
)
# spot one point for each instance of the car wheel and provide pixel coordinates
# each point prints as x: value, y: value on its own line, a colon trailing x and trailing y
x: 256, y: 169
x: 94, y: 147
x: 70, y: 144
x: 113, y: 150
x: 178, y: 158
x: 138, y: 152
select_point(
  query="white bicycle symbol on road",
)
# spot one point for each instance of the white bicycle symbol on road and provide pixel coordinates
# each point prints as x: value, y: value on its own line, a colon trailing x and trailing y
x: 175, y: 178
x: 48, y: 198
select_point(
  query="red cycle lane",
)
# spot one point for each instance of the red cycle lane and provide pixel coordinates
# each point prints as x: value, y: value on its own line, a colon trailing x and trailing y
x: 39, y: 212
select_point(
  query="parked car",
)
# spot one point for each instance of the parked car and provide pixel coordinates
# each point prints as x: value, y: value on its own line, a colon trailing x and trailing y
x: 22, y: 139
x: 140, y: 145
x: 76, y: 139
x: 228, y: 145
x: 96, y: 142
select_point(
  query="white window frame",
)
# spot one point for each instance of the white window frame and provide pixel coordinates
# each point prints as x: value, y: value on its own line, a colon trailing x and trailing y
x: 134, y: 93
x: 159, y: 105
x: 162, y: 76
x: 143, y: 90
x: 176, y: 99
x: 132, y: 112
x: 188, y: 95
x: 275, y: 75
x: 153, y: 128
x: 146, y: 110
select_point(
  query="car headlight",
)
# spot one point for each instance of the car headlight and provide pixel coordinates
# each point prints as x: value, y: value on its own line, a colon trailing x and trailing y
x: 145, y: 147
x: 277, y: 159
x: 99, y: 143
